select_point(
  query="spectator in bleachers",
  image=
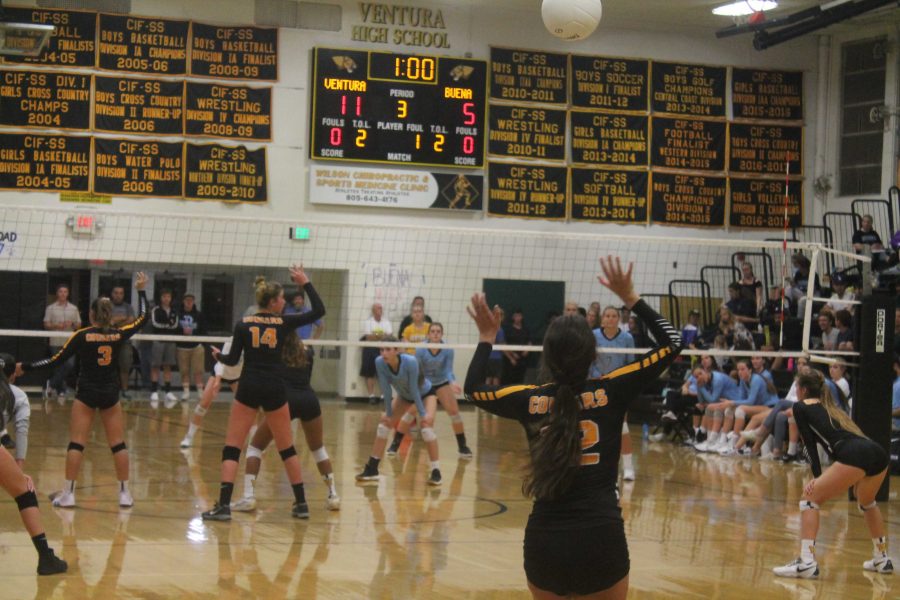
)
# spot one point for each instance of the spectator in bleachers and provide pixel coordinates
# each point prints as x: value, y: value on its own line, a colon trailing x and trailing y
x: 515, y: 363
x: 298, y: 307
x: 165, y: 322
x: 866, y: 240
x: 840, y: 387
x: 829, y: 338
x: 376, y: 327
x: 570, y: 308
x: 840, y: 294
x: 593, y: 319
x: 417, y: 301
x: 122, y: 315
x: 62, y: 315
x: 417, y: 330
x: 624, y: 319
x: 638, y: 332
x: 691, y: 330
x: 799, y: 285
x: 843, y: 322
x: 190, y: 355
x: 744, y: 310
x: 751, y: 287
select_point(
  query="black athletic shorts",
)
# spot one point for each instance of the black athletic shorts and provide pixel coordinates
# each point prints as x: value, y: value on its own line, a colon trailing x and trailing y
x: 101, y: 398
x: 862, y: 453
x: 435, y: 388
x: 303, y: 404
x: 256, y: 392
x: 576, y: 561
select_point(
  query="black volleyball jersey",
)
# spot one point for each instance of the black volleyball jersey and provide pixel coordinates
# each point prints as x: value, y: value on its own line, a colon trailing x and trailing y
x: 97, y: 351
x: 604, y: 403
x: 260, y: 337
x: 816, y: 426
x: 298, y: 378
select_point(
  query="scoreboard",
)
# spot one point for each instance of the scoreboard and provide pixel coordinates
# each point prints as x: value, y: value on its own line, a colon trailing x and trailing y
x: 384, y: 107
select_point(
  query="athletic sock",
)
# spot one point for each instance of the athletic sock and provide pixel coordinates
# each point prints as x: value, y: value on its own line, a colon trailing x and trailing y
x: 123, y: 485
x: 436, y: 464
x: 627, y: 462
x: 329, y: 481
x: 70, y: 486
x: 40, y: 543
x: 167, y: 387
x: 808, y: 550
x: 792, y: 448
x: 880, y: 547
x: 299, y: 494
x: 461, y: 440
x: 249, y: 486
x: 225, y: 490
x: 192, y: 431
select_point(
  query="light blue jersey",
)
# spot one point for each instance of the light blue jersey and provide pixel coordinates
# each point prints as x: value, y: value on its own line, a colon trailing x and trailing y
x: 721, y: 387
x: 607, y: 362
x: 406, y: 381
x: 438, y: 368
x: 756, y: 393
x: 895, y: 403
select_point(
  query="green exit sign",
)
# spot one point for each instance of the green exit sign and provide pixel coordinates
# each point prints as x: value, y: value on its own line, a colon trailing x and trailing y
x: 299, y: 233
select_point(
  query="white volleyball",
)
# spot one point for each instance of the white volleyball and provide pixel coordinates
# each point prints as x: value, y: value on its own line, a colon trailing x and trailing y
x: 571, y: 20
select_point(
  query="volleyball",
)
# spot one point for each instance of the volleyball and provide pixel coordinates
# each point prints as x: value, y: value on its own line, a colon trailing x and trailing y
x: 571, y: 20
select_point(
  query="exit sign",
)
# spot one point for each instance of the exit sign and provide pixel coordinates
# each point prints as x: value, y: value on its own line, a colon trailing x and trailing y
x: 299, y: 233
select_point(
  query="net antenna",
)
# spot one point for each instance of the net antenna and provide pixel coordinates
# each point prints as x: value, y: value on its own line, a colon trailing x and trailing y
x: 22, y: 39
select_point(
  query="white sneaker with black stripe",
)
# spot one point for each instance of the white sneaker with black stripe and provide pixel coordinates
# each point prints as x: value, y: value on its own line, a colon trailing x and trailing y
x: 798, y: 569
x: 880, y: 564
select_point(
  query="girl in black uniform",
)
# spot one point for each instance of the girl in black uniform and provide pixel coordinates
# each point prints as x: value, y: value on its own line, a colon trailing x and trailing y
x: 260, y: 338
x: 575, y: 537
x: 859, y: 463
x: 97, y: 348
x: 303, y: 404
x: 19, y: 485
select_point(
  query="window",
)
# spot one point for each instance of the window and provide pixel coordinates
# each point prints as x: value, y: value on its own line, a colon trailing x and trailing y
x: 863, y: 73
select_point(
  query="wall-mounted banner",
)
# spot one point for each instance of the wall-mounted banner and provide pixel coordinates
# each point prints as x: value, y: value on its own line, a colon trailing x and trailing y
x: 45, y: 99
x: 610, y: 139
x: 527, y: 132
x: 229, y: 111
x: 8, y: 241
x: 766, y: 149
x: 617, y: 84
x: 45, y: 163
x: 691, y: 90
x: 228, y: 173
x: 234, y: 52
x: 760, y: 203
x: 73, y: 44
x: 526, y: 191
x: 609, y: 196
x: 692, y: 144
x: 767, y: 95
x: 130, y: 168
x: 692, y: 200
x: 138, y: 106
x: 401, y: 25
x: 529, y: 76
x: 394, y: 189
x: 143, y: 45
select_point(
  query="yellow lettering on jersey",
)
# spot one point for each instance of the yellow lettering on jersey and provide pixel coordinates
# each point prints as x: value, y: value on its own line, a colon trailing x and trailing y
x: 539, y: 405
x: 103, y: 337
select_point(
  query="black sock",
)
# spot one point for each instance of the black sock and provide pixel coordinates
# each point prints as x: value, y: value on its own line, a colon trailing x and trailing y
x: 299, y: 495
x: 373, y: 462
x: 225, y: 490
x: 154, y: 386
x: 398, y: 437
x: 167, y: 387
x: 40, y: 543
x: 461, y: 440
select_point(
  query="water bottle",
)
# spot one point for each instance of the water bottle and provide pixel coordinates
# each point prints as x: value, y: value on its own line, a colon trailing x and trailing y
x: 645, y: 431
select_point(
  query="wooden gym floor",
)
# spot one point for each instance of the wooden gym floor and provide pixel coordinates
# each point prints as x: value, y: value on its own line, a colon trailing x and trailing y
x: 698, y: 526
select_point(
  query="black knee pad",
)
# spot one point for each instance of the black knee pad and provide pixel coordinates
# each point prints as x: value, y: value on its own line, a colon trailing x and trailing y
x: 231, y: 453
x: 287, y: 452
x: 118, y: 447
x: 27, y: 500
x: 75, y: 446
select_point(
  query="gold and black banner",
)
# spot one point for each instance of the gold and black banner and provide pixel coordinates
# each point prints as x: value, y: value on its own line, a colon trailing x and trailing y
x: 527, y: 191
x: 610, y: 139
x: 690, y: 90
x: 617, y: 84
x: 234, y: 52
x: 527, y: 132
x: 143, y: 45
x: 765, y: 149
x: 759, y: 203
x: 609, y: 196
x: 46, y: 163
x: 45, y: 99
x: 229, y: 111
x: 73, y: 44
x: 692, y: 200
x: 767, y: 95
x: 529, y: 76
x: 228, y: 173
x: 138, y: 106
x: 131, y: 168
x: 693, y: 144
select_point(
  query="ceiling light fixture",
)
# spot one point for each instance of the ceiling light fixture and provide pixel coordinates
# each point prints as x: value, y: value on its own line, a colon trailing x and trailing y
x: 744, y: 7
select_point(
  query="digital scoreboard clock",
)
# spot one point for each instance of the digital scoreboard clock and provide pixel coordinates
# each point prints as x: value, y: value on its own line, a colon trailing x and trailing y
x: 393, y: 108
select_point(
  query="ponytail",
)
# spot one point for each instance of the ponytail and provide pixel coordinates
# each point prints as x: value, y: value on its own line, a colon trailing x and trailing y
x: 556, y: 452
x: 102, y: 310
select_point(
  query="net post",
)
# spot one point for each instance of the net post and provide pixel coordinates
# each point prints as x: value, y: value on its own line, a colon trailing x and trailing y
x: 810, y: 293
x: 872, y: 387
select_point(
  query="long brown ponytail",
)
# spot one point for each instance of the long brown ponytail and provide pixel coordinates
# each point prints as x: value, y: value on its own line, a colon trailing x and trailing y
x: 102, y: 312
x: 814, y: 383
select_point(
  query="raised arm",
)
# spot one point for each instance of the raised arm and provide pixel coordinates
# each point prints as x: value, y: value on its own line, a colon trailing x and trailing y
x: 298, y: 276
x: 135, y: 326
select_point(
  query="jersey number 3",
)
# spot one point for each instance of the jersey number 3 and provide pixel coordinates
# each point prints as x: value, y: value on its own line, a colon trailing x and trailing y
x: 269, y: 337
x: 590, y: 435
x: 105, y: 357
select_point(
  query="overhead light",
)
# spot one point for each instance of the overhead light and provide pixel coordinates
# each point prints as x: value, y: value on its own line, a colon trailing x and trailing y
x: 744, y: 7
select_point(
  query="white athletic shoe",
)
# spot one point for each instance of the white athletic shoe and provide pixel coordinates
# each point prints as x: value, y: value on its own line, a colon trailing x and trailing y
x: 171, y: 400
x: 154, y: 400
x: 728, y: 451
x: 63, y: 499
x: 749, y: 435
x: 186, y: 442
x: 333, y: 501
x: 628, y: 475
x: 702, y: 447
x: 61, y: 398
x: 244, y: 505
x: 125, y: 499
x: 798, y: 569
x: 881, y: 564
x: 185, y: 395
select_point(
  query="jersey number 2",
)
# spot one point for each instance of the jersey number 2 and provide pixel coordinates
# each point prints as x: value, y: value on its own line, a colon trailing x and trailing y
x: 590, y: 435
x: 269, y: 337
x: 105, y: 357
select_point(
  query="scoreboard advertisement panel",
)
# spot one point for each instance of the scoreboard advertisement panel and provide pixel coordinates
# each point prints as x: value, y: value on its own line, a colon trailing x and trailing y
x: 384, y: 107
